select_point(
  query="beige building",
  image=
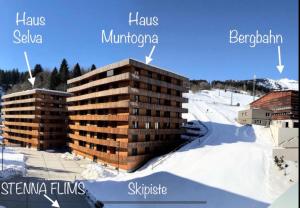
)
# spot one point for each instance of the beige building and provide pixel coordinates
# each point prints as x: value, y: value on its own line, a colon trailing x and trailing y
x: 286, y: 137
x: 255, y: 116
x: 284, y: 120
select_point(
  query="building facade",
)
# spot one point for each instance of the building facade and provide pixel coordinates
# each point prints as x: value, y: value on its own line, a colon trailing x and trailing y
x: 284, y: 122
x: 283, y: 104
x: 125, y: 113
x: 35, y: 118
x: 255, y: 116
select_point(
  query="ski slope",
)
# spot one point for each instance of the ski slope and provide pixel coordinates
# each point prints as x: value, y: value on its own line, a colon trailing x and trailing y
x: 231, y: 166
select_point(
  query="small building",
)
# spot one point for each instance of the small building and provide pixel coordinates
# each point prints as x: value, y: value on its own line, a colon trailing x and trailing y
x: 35, y: 118
x: 255, y: 116
x: 284, y: 120
x: 124, y: 113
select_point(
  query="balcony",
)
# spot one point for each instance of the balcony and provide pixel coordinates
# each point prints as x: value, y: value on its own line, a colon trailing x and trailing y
x: 103, y: 142
x: 116, y: 78
x: 99, y: 117
x: 108, y: 130
x: 104, y: 93
x: 107, y: 105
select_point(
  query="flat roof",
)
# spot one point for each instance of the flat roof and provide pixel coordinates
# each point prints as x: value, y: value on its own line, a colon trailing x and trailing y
x: 38, y: 90
x: 126, y: 62
x: 274, y: 91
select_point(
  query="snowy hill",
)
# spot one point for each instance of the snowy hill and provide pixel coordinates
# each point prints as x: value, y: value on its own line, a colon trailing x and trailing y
x: 231, y: 166
x: 281, y: 84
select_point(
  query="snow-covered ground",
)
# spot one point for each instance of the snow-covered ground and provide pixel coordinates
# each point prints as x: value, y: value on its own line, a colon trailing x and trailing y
x: 231, y: 166
x: 13, y: 163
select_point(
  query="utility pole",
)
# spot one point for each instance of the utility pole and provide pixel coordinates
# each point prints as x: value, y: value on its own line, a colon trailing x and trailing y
x: 118, y: 157
x: 3, y: 147
x: 254, y: 81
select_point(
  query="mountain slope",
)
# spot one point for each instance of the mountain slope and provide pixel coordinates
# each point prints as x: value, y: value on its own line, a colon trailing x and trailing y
x: 281, y: 84
x: 231, y: 166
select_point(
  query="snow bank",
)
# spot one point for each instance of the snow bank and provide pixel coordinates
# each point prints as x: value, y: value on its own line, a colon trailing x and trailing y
x: 69, y: 156
x: 14, y: 164
x: 96, y: 171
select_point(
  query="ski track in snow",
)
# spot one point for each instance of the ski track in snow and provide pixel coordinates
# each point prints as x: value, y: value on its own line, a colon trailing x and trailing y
x: 228, y: 167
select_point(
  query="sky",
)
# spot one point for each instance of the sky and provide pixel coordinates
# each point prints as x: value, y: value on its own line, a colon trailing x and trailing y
x: 193, y: 35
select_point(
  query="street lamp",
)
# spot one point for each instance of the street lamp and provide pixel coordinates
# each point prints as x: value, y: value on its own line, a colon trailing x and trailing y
x: 118, y: 157
x: 3, y: 147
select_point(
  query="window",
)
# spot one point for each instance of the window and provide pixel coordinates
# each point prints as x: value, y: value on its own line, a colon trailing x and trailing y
x: 167, y: 125
x: 147, y: 150
x: 156, y: 125
x: 149, y: 87
x: 159, y: 76
x: 137, y: 72
x: 110, y: 73
x: 157, y: 113
x: 156, y: 137
x: 135, y: 124
x: 136, y: 98
x: 167, y: 114
x: 286, y: 124
x: 135, y: 111
x: 169, y: 91
x: 148, y: 112
x: 136, y: 85
x: 82, y: 143
x: 147, y: 125
x: 147, y: 137
x: 134, y: 151
x: 134, y: 138
x: 149, y: 74
x: 168, y: 102
x: 158, y: 89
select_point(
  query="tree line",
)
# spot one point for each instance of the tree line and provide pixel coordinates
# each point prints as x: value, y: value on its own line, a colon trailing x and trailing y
x: 241, y: 85
x: 55, y: 79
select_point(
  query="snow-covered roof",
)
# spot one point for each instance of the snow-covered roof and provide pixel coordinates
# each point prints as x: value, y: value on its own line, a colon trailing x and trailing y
x: 33, y: 91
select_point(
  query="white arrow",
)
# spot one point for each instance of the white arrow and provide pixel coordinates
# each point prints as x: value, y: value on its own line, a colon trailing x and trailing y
x: 148, y: 58
x: 31, y: 79
x: 54, y: 203
x: 279, y: 66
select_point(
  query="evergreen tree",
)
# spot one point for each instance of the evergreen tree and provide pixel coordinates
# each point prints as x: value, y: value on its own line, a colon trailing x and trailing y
x: 76, y: 71
x: 93, y: 67
x: 64, y: 71
x: 54, y: 79
x: 37, y: 69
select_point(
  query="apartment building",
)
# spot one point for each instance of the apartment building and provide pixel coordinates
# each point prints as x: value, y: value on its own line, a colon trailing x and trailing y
x: 35, y: 118
x: 255, y: 116
x: 124, y: 113
x: 284, y: 120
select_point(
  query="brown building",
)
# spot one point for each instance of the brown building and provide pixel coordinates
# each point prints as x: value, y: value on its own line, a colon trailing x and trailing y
x: 35, y: 118
x: 283, y: 104
x: 284, y: 123
x: 125, y: 113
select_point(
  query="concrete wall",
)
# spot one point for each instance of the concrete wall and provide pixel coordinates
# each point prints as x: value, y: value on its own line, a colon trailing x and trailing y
x: 283, y: 135
x: 288, y: 153
x: 254, y: 116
